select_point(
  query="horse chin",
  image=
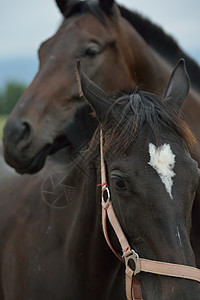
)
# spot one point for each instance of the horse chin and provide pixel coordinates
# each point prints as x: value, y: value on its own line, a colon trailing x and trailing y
x: 24, y: 164
x: 39, y: 160
x: 59, y: 143
x: 35, y: 164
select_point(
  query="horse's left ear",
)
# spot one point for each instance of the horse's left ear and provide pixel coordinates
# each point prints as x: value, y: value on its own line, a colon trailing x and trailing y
x: 98, y: 99
x: 107, y: 6
x: 178, y: 85
x: 62, y: 5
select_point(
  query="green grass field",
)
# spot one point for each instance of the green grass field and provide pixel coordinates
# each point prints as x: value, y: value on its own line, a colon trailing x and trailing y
x: 2, y: 122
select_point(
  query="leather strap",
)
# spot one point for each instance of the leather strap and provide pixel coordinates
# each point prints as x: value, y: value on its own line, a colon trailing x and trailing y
x: 103, y: 168
x: 133, y: 290
x: 168, y: 269
x: 104, y: 224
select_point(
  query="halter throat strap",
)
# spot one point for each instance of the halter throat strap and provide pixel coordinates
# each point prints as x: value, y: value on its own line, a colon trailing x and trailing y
x: 133, y: 290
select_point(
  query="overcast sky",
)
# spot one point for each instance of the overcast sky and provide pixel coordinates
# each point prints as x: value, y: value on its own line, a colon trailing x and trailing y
x: 24, y: 24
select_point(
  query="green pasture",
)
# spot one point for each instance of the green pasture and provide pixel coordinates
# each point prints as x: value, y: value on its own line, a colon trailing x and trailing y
x: 2, y: 122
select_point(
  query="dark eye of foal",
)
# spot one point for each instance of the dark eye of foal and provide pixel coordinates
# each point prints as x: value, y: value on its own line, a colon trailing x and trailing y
x: 92, y: 52
x: 118, y: 183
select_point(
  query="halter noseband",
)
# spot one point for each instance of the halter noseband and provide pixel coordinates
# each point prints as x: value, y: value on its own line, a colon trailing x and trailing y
x: 133, y: 290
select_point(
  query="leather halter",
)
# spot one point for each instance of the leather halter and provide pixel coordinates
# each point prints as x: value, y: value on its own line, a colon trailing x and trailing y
x: 133, y: 290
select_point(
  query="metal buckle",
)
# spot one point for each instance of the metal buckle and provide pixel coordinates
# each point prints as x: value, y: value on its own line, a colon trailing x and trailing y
x: 108, y: 195
x: 134, y: 257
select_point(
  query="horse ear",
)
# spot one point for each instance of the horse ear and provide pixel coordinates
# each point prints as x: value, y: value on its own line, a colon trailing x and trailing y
x: 178, y: 85
x: 107, y: 6
x: 62, y: 4
x: 97, y: 98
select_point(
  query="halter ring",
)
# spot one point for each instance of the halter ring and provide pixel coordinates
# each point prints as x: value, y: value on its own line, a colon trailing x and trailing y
x: 103, y: 195
x: 134, y: 257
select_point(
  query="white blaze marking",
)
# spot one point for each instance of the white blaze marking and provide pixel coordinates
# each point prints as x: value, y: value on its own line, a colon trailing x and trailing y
x: 162, y: 160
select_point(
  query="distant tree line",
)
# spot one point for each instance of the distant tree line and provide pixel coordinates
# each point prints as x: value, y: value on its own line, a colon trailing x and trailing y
x: 9, y: 95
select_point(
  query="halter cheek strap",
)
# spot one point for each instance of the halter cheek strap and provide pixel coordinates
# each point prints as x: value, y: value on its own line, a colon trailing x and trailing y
x: 133, y: 290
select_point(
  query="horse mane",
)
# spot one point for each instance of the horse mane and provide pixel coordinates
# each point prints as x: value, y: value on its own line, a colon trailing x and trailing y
x: 161, y: 42
x: 137, y: 110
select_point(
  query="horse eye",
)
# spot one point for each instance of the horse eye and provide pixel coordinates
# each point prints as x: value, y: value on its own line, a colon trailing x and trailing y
x: 92, y: 51
x: 119, y: 183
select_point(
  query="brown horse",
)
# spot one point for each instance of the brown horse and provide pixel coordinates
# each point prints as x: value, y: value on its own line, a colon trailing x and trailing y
x: 61, y: 254
x: 118, y: 51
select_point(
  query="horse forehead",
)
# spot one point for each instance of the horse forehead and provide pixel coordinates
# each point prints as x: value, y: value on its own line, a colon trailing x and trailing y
x: 82, y: 23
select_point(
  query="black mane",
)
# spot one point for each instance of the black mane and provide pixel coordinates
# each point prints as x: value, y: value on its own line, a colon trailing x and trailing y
x: 162, y: 43
x: 137, y: 110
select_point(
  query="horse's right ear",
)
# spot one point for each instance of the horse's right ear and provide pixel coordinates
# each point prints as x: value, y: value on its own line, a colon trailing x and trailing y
x: 97, y: 98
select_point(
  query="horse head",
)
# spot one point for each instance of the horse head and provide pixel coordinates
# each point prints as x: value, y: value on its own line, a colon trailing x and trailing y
x: 151, y: 176
x: 92, y: 31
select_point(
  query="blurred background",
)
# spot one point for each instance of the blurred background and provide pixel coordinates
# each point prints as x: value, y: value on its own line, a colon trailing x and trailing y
x: 25, y: 24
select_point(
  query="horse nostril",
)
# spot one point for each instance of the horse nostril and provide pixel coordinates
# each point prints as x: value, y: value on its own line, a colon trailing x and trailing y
x: 17, y: 134
x: 25, y: 136
x: 26, y: 132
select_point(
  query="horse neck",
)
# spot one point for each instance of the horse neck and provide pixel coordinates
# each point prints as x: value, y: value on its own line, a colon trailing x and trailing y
x: 143, y: 62
x: 80, y: 129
